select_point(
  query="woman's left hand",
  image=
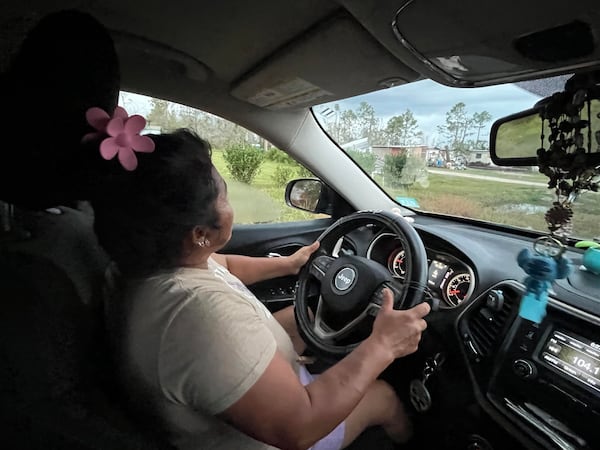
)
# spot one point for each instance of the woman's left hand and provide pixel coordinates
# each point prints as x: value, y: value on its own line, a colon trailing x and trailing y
x: 301, y: 256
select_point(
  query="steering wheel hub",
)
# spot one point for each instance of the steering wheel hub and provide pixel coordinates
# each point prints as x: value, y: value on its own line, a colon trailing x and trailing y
x: 344, y: 279
x: 349, y: 283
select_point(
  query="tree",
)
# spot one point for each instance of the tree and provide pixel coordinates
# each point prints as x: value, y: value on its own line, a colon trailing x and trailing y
x: 392, y: 169
x: 457, y: 129
x: 161, y: 115
x: 368, y: 124
x: 480, y: 120
x: 403, y: 129
x: 347, y: 131
x: 414, y: 171
x: 332, y: 121
x: 366, y: 160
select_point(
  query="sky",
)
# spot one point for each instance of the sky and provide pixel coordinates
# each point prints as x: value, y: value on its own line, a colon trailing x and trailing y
x: 135, y: 103
x: 429, y: 101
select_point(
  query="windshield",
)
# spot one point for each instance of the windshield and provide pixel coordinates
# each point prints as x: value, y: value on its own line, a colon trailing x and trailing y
x: 427, y: 146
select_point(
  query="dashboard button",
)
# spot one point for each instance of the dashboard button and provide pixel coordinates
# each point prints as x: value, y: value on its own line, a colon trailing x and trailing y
x: 524, y: 369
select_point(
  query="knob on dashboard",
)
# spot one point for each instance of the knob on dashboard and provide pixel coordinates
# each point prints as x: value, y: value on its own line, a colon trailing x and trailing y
x: 495, y: 300
x: 524, y: 369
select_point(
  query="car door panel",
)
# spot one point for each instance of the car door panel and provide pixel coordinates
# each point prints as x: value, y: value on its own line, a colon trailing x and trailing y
x: 260, y: 239
x: 281, y: 239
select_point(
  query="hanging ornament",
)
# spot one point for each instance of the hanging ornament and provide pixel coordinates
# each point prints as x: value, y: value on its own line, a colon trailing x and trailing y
x: 569, y: 158
x: 572, y: 167
x: 559, y: 219
x: 544, y: 265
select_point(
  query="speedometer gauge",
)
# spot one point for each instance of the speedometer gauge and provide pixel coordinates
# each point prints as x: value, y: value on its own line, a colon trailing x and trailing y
x: 397, y: 263
x: 457, y: 289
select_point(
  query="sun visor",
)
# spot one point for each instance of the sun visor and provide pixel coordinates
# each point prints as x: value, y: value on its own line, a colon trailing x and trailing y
x: 336, y: 59
x: 474, y: 43
x: 139, y: 55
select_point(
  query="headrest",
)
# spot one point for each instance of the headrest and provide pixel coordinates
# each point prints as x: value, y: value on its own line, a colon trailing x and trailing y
x: 66, y: 64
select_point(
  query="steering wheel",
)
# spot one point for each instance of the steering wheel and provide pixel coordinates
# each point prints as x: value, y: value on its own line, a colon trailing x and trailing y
x: 348, y: 289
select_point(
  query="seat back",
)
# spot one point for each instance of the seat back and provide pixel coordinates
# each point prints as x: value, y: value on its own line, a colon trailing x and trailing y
x: 57, y: 388
x: 56, y: 380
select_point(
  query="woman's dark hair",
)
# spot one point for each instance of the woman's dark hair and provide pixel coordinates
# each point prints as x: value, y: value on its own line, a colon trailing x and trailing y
x: 143, y: 216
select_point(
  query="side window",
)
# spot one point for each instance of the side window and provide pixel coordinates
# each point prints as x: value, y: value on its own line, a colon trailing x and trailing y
x: 256, y: 172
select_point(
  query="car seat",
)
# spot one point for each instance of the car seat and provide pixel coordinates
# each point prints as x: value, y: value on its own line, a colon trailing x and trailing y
x: 57, y: 387
x: 56, y: 381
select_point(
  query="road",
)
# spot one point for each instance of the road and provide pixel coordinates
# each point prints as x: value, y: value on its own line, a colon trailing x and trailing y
x: 459, y: 173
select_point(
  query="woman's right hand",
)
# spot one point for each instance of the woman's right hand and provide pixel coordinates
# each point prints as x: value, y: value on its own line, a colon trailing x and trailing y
x: 399, y: 331
x: 279, y: 410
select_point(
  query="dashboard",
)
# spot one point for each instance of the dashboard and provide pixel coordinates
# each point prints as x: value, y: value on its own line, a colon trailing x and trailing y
x: 450, y: 280
x: 503, y: 378
x: 539, y: 382
x: 542, y: 377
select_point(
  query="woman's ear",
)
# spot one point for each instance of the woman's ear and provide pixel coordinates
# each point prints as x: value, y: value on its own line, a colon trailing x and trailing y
x: 198, y: 234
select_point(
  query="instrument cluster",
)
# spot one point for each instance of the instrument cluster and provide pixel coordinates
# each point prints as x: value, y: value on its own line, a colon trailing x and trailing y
x: 449, y: 279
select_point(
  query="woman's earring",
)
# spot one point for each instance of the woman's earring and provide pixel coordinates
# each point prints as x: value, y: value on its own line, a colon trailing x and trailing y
x: 203, y: 243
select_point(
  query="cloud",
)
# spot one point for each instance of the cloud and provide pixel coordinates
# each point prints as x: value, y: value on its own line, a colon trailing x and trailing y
x: 429, y: 101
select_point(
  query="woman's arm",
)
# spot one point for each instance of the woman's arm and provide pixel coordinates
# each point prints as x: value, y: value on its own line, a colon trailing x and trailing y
x: 251, y: 269
x: 286, y: 319
x: 278, y: 410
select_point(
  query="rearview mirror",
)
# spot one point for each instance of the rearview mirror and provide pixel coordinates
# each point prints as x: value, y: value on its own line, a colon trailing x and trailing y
x: 515, y: 139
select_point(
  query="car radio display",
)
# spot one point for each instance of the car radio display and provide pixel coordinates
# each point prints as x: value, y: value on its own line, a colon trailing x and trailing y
x: 574, y: 356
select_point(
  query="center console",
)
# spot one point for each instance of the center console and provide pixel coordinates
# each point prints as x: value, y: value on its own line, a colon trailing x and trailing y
x: 572, y: 355
x: 548, y: 379
x: 543, y: 379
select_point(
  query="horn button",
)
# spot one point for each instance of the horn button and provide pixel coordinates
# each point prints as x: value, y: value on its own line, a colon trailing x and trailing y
x: 349, y: 283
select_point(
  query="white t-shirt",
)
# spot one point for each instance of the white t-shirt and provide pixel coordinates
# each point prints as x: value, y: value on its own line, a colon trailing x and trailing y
x: 192, y: 342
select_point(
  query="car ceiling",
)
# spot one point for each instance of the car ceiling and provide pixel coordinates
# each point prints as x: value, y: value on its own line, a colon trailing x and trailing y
x: 286, y: 55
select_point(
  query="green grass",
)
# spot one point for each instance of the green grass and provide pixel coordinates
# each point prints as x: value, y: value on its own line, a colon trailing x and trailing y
x: 494, y: 201
x: 260, y: 201
x: 505, y: 203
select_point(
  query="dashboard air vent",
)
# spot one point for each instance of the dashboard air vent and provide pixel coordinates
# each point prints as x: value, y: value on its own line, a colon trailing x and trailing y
x: 489, y: 319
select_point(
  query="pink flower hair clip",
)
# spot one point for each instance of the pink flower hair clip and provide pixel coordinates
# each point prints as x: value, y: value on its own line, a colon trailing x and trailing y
x: 124, y: 137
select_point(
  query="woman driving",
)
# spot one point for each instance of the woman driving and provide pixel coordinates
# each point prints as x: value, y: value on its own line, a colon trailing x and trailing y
x: 196, y: 351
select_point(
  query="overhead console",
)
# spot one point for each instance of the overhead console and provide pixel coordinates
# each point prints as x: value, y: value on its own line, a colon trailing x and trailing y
x: 543, y: 380
x: 469, y: 45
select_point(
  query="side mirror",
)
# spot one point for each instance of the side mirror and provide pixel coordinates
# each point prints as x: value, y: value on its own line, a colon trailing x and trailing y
x: 309, y: 194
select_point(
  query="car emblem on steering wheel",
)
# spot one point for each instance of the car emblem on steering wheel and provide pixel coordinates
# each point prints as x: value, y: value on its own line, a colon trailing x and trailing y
x: 344, y: 279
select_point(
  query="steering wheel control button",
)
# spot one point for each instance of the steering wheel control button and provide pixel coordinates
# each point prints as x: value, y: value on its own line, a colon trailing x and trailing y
x: 377, y: 298
x: 345, y: 279
x: 319, y: 266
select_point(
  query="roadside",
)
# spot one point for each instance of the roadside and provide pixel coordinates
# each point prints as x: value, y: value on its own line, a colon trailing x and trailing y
x: 454, y: 173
